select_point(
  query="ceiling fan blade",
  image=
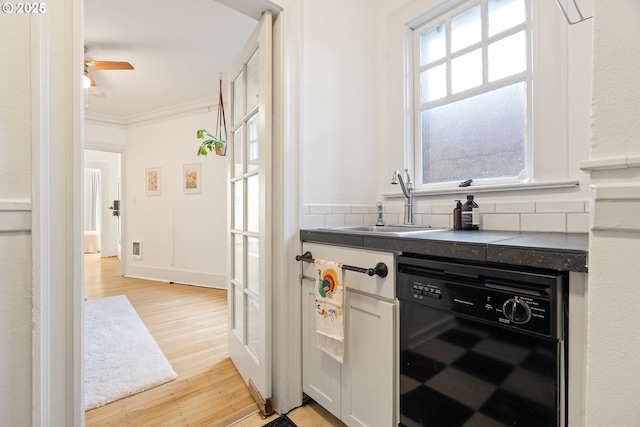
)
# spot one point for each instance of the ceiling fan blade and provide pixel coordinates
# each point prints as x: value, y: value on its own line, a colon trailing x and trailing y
x: 93, y: 82
x: 108, y: 65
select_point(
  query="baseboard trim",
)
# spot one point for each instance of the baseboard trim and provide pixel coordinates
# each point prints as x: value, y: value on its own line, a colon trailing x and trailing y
x: 184, y: 277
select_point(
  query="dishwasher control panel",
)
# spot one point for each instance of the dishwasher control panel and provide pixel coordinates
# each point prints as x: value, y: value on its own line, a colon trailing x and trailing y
x: 514, y: 300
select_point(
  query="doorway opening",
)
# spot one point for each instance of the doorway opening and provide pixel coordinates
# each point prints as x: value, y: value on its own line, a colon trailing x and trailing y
x: 102, y: 207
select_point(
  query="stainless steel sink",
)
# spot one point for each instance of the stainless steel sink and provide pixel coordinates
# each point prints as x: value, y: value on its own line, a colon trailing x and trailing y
x: 396, y: 230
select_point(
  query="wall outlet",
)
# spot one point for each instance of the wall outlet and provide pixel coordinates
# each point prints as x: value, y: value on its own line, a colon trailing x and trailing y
x: 137, y: 250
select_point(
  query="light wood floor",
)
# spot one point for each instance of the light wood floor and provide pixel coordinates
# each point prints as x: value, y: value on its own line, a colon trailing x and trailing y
x: 189, y: 324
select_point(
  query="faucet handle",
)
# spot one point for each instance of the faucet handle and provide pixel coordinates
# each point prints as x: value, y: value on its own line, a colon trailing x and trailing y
x: 378, y: 205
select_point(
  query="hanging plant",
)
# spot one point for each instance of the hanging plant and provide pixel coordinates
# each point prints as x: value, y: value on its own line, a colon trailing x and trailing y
x: 216, y: 142
x: 213, y: 144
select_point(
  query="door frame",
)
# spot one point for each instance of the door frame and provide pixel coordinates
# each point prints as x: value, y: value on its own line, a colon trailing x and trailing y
x: 286, y: 187
x: 57, y: 171
x: 57, y: 128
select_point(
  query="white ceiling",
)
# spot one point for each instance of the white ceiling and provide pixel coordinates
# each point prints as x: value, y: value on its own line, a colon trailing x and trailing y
x: 177, y: 47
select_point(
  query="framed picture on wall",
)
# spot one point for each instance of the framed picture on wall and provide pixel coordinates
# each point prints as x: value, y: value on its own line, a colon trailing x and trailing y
x: 191, y: 178
x: 153, y: 182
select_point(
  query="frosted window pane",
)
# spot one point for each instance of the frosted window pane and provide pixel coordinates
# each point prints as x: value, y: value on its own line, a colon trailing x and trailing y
x: 466, y: 29
x: 466, y: 71
x: 432, y: 45
x: 433, y: 83
x: 253, y: 264
x: 253, y: 153
x: 238, y: 312
x: 253, y: 203
x: 505, y: 14
x: 238, y: 206
x: 253, y: 82
x: 479, y: 137
x: 507, y: 57
x: 253, y: 326
x: 238, y: 258
x: 238, y: 89
x: 237, y: 152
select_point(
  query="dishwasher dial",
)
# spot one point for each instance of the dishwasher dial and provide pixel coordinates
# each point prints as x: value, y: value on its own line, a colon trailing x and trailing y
x: 516, y: 310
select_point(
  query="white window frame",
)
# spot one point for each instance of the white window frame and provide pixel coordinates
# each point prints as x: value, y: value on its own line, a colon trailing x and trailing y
x: 547, y: 102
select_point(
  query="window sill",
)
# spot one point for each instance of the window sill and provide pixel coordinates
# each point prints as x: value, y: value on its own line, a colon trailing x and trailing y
x: 520, y: 187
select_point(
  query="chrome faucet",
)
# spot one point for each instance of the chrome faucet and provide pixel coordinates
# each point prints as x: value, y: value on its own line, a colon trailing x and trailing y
x: 407, y: 189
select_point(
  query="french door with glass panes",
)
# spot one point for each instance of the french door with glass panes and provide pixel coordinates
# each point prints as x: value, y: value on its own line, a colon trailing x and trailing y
x: 249, y: 295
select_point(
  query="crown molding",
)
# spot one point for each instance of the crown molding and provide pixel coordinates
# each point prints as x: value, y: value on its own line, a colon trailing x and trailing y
x: 180, y: 110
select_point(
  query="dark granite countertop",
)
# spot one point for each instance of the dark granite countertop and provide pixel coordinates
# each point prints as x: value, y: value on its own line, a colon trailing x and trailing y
x: 557, y: 251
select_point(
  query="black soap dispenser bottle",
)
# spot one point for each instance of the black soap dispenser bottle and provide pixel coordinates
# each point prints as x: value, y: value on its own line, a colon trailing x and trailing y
x: 457, y: 216
x: 470, y: 215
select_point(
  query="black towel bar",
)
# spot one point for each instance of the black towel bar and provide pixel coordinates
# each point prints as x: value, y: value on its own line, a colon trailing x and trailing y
x: 380, y: 269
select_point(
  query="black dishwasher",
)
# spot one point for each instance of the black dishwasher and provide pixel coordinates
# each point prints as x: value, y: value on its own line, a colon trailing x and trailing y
x: 481, y: 345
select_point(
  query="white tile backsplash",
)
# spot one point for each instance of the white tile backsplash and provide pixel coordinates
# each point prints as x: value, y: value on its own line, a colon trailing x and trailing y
x: 443, y: 209
x: 501, y: 222
x: 320, y: 209
x: 312, y: 221
x: 515, y: 207
x: 421, y: 207
x: 438, y: 221
x: 392, y: 218
x: 361, y: 209
x: 551, y: 222
x: 544, y: 216
x: 487, y: 207
x: 334, y: 220
x: 397, y: 209
x: 570, y: 206
x: 354, y: 219
x: 369, y: 219
x: 578, y: 222
x: 341, y: 209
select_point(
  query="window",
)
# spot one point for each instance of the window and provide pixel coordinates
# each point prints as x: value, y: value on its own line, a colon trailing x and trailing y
x: 473, y: 79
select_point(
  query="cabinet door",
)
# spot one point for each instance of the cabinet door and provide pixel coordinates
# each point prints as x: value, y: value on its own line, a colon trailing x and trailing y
x: 368, y: 395
x: 320, y: 372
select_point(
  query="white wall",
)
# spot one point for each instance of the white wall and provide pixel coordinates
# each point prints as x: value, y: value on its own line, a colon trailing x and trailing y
x: 104, y: 134
x: 345, y: 175
x: 183, y: 236
x: 15, y: 241
x: 613, y: 341
x: 338, y: 137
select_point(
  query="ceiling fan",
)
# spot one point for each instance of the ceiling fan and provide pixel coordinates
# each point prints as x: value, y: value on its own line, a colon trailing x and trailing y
x: 100, y: 66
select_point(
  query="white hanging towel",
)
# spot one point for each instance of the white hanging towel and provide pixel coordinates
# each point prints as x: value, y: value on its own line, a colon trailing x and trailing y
x: 329, y: 308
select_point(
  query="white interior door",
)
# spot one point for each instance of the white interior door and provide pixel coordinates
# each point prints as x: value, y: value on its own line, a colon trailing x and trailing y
x: 249, y: 295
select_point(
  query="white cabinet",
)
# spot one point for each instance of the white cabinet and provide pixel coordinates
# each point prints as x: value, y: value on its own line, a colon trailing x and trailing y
x: 368, y: 370
x: 362, y: 390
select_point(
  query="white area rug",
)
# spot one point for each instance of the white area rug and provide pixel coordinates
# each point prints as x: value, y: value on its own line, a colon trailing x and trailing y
x: 121, y: 357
